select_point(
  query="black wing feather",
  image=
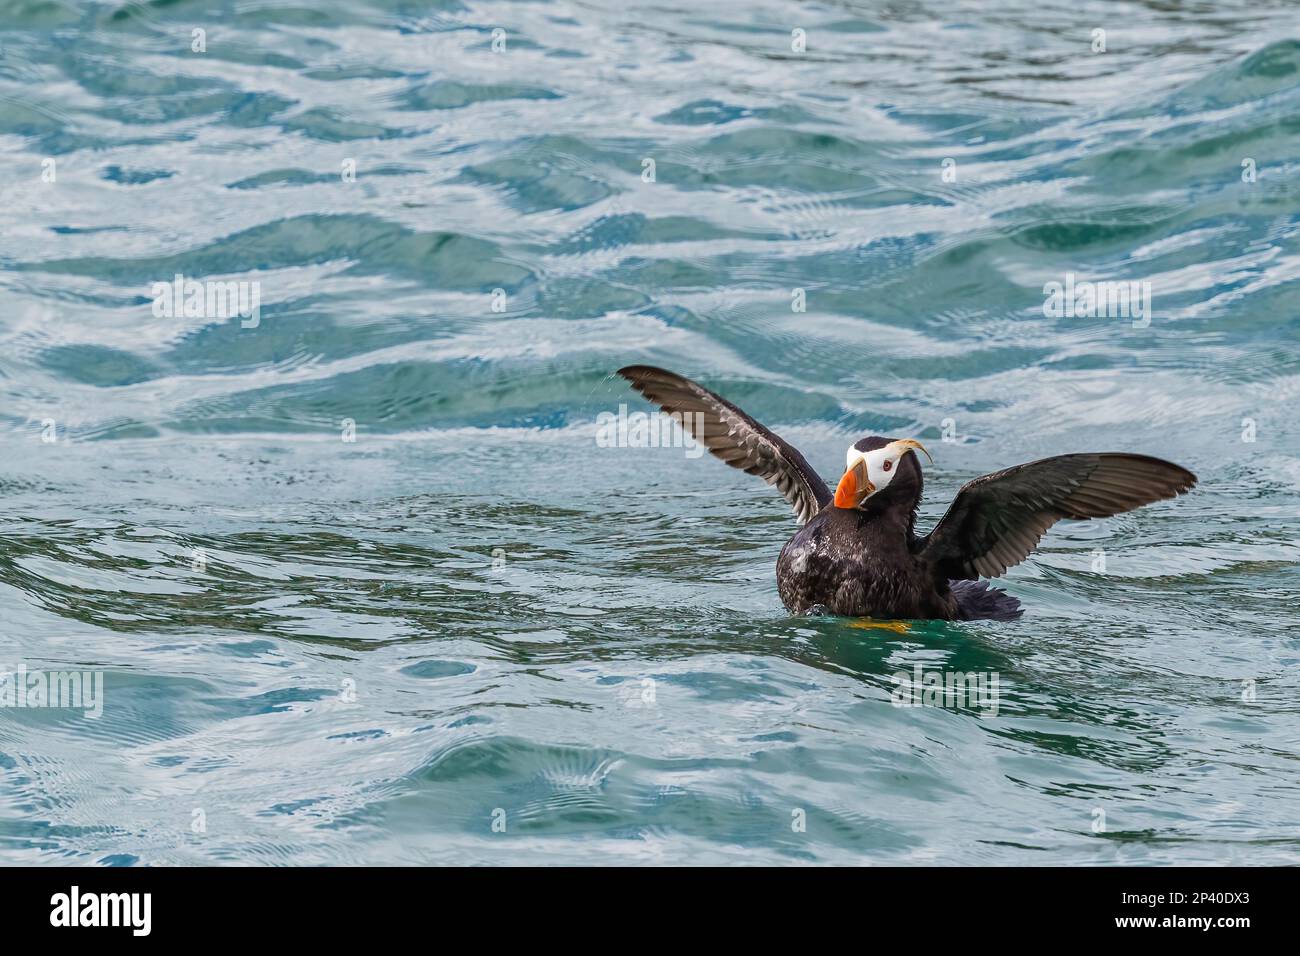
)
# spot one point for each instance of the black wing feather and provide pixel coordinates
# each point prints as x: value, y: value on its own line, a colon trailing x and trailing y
x: 734, y: 437
x: 997, y: 520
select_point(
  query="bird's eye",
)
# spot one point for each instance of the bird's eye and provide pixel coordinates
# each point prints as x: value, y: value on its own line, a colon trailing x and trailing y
x: 888, y: 464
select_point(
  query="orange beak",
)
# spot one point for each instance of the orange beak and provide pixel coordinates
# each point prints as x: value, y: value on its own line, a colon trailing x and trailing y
x: 853, y: 487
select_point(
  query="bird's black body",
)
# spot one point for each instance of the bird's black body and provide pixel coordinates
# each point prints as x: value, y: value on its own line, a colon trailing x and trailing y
x: 867, y: 561
x: 862, y: 561
x: 850, y: 563
x: 858, y: 553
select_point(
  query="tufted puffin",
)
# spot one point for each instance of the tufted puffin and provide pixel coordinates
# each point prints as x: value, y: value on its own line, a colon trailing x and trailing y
x: 858, y: 553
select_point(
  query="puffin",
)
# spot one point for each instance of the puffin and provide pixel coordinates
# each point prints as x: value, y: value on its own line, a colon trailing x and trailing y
x: 857, y: 552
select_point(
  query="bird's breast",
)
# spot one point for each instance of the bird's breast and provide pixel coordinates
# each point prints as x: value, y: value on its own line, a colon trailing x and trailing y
x: 838, y: 562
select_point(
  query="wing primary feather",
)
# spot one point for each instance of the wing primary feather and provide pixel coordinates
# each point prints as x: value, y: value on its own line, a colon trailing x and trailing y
x: 733, y: 436
x: 997, y: 520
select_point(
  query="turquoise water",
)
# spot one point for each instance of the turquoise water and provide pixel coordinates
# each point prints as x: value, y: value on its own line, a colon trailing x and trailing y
x: 472, y: 633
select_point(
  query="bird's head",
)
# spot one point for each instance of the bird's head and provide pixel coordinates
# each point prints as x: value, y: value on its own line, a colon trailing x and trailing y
x: 875, y: 465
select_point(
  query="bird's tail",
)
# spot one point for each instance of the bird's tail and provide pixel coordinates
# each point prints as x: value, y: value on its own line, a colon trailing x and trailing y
x: 977, y: 601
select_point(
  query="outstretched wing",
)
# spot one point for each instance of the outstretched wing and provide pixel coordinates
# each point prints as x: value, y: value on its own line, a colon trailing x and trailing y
x: 733, y: 436
x: 997, y: 520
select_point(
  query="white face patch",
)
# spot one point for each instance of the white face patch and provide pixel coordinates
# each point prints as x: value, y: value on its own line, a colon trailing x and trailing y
x: 882, y: 464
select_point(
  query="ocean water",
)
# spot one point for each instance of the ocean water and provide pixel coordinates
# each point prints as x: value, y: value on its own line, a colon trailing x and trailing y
x: 359, y: 581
